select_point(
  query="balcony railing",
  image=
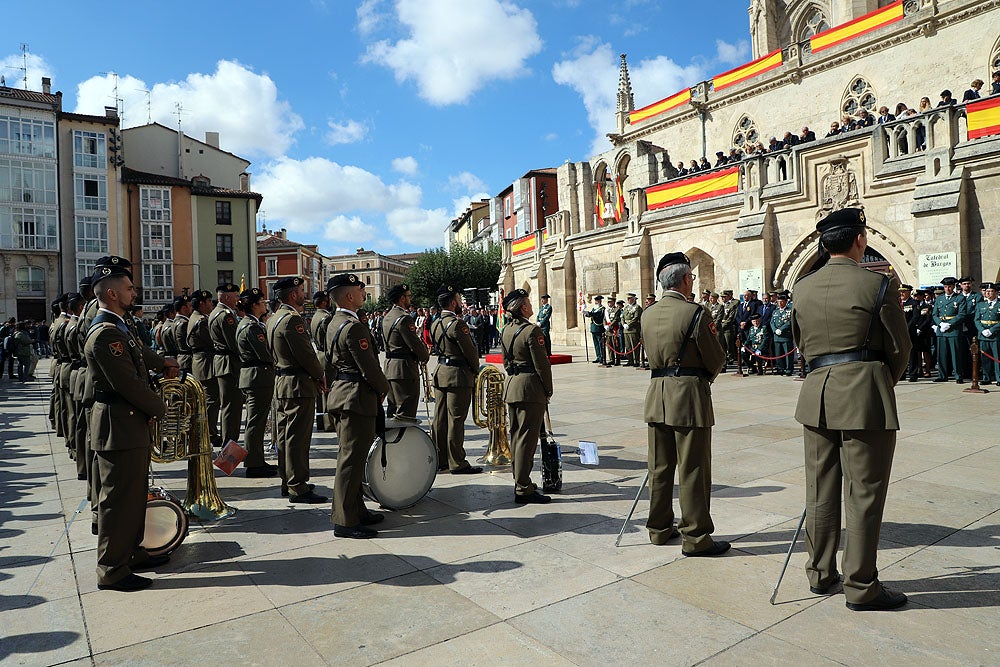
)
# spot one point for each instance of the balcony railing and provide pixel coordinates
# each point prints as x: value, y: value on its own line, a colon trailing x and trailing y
x: 30, y: 285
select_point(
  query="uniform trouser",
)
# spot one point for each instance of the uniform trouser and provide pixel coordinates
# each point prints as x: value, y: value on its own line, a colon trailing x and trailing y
x: 860, y: 465
x: 230, y: 406
x: 632, y: 347
x: 989, y: 371
x: 913, y: 361
x: 525, y: 427
x: 54, y: 402
x: 598, y: 337
x: 451, y: 407
x: 548, y: 343
x: 688, y: 450
x: 80, y: 421
x: 752, y: 363
x: 948, y: 359
x: 293, y: 433
x: 258, y: 402
x: 211, y: 387
x: 121, y: 511
x: 611, y: 342
x: 404, y: 395
x: 69, y: 422
x: 355, y: 434
x: 783, y: 347
x: 728, y: 339
x: 327, y: 421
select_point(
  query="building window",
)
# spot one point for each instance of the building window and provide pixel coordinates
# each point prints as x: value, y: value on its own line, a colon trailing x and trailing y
x: 368, y: 280
x: 745, y: 134
x: 28, y: 182
x: 224, y: 247
x: 272, y: 266
x: 368, y: 265
x: 157, y: 242
x: 506, y: 207
x: 814, y: 23
x: 352, y: 267
x: 223, y: 213
x: 30, y: 279
x: 25, y: 136
x: 154, y: 204
x: 89, y: 150
x: 860, y: 95
x: 225, y: 277
x: 91, y: 234
x: 28, y: 228
x: 157, y: 283
x: 91, y: 192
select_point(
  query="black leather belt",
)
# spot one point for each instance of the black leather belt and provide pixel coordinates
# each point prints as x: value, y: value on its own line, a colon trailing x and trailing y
x: 679, y: 371
x: 348, y: 376
x: 255, y: 364
x: 825, y: 360
x: 220, y: 353
x: 202, y: 350
x: 64, y: 360
x: 405, y: 356
x: 107, y: 397
x: 522, y: 370
x: 289, y: 372
x: 453, y: 361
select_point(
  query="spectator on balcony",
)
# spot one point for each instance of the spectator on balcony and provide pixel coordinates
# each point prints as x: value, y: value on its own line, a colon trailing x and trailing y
x: 735, y: 155
x: 704, y: 165
x: 865, y: 119
x: 884, y: 116
x: 773, y: 145
x: 807, y: 135
x: 721, y: 159
x: 946, y: 99
x: 848, y: 124
x: 995, y: 88
x: 972, y: 94
x: 925, y: 105
x: 900, y: 108
x: 751, y: 150
x: 790, y: 140
x: 834, y: 129
x: 681, y: 170
x: 693, y: 167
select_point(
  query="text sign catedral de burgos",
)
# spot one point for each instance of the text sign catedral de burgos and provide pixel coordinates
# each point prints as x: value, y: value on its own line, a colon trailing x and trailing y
x: 935, y: 266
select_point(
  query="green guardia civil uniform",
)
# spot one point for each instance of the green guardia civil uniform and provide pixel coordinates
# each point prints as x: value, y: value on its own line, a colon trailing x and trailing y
x: 226, y: 366
x: 848, y: 414
x: 781, y: 327
x: 317, y: 330
x: 757, y: 341
x: 404, y: 352
x: 202, y: 360
x: 179, y: 329
x: 949, y: 310
x: 454, y: 379
x: 527, y: 391
x: 256, y: 383
x: 544, y: 319
x: 631, y: 322
x: 678, y: 411
x: 596, y: 315
x: 299, y: 378
x: 987, y: 322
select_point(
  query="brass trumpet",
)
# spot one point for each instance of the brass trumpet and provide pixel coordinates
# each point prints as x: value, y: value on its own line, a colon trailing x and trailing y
x: 489, y: 411
x: 181, y: 434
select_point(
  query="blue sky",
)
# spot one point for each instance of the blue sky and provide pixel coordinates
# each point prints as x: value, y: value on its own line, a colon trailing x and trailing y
x: 374, y: 123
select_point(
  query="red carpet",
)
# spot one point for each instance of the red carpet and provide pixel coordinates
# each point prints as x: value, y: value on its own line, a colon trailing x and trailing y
x: 553, y: 359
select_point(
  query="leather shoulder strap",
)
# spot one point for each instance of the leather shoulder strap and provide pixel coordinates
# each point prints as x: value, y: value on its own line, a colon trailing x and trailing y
x: 875, y: 311
x: 687, y: 336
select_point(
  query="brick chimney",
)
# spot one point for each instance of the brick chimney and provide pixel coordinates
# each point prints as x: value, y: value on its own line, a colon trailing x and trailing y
x: 46, y: 85
x: 111, y: 112
x: 212, y: 139
x: 282, y: 234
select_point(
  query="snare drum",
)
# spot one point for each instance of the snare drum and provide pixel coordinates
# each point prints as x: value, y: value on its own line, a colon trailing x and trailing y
x: 166, y: 523
x: 411, y: 465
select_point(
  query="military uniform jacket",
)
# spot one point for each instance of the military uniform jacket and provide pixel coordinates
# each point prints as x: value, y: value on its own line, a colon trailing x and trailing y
x: 78, y: 369
x: 757, y: 338
x: 358, y: 383
x: 923, y: 320
x: 222, y: 328
x: 180, y: 334
x: 950, y: 309
x: 57, y: 340
x: 631, y: 315
x: 781, y: 320
x: 729, y: 314
x: 833, y: 307
x: 115, y: 367
x: 256, y: 364
x: 614, y: 319
x: 529, y: 373
x: 86, y: 319
x: 200, y: 341
x: 988, y: 318
x: 400, y: 335
x: 685, y: 400
x: 167, y: 337
x: 543, y: 318
x: 972, y: 301
x: 717, y: 311
x: 317, y: 329
x: 911, y: 309
x: 299, y: 370
x: 596, y: 319
x: 452, y: 337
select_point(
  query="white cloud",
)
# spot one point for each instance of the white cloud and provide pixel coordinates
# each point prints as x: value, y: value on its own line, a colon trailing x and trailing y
x: 418, y: 226
x: 343, y: 229
x: 240, y: 104
x: 465, y: 182
x: 348, y: 132
x: 454, y: 47
x: 370, y: 16
x: 732, y: 54
x: 10, y: 68
x: 406, y: 165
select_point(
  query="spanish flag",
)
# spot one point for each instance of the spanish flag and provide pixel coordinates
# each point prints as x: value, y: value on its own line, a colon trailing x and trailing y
x: 656, y: 108
x: 859, y: 26
x: 983, y: 117
x: 524, y: 244
x: 619, y: 199
x: 599, y: 203
x: 706, y: 186
x: 748, y: 71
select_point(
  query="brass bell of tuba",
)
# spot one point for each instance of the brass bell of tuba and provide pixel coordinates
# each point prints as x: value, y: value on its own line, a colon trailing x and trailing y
x: 490, y: 412
x: 182, y: 434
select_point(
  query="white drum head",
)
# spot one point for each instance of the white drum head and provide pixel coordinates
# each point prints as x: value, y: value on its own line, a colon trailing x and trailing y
x: 411, y: 465
x: 166, y: 526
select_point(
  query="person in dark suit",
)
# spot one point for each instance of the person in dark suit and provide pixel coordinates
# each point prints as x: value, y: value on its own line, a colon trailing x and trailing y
x: 946, y: 99
x: 721, y: 159
x: 884, y: 116
x: 806, y: 135
x: 911, y: 311
x: 972, y: 94
x: 681, y: 170
x: 790, y: 140
x: 745, y: 310
x: 850, y: 327
x: 995, y: 84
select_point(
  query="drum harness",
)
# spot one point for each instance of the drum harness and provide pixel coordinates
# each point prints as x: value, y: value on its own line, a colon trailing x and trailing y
x: 444, y: 359
x: 508, y: 355
x: 406, y: 356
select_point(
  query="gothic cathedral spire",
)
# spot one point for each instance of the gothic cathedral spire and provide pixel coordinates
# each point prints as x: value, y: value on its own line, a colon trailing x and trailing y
x: 626, y: 101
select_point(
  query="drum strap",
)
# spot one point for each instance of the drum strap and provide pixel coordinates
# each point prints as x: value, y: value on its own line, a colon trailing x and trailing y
x: 508, y: 353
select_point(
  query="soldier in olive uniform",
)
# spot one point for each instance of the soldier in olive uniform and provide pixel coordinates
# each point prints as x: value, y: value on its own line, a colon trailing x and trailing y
x: 256, y: 379
x: 544, y: 320
x: 987, y: 322
x: 685, y: 357
x: 631, y: 314
x: 203, y: 355
x: 75, y: 413
x: 300, y: 379
x: 404, y: 353
x: 124, y: 407
x: 55, y: 398
x: 612, y: 329
x: 650, y: 300
x: 317, y: 329
x: 597, y: 315
x: 62, y: 369
x: 355, y: 401
x: 179, y: 329
x: 167, y: 339
x: 849, y: 326
x: 949, y: 315
x: 781, y: 327
x: 226, y: 362
x: 727, y: 329
x: 454, y: 379
x: 527, y: 391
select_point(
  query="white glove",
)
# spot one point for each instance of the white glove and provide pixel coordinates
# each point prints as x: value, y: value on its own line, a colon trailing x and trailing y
x: 918, y: 332
x: 987, y: 333
x: 777, y: 332
x: 935, y: 327
x: 944, y: 326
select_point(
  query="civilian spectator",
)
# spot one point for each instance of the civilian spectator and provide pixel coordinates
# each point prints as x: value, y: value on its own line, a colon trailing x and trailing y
x: 704, y: 164
x: 834, y: 129
x: 807, y: 135
x: 681, y: 170
x: 972, y: 94
x: 884, y: 116
x: 751, y: 149
x: 848, y: 124
x: 735, y: 155
x: 693, y: 167
x: 925, y: 105
x: 995, y: 88
x: 773, y: 145
x: 946, y: 99
x: 900, y: 108
x: 721, y: 159
x: 21, y: 349
x: 789, y: 139
x: 865, y: 119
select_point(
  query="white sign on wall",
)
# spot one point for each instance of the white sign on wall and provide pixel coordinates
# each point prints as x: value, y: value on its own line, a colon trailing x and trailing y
x: 751, y: 279
x: 932, y: 267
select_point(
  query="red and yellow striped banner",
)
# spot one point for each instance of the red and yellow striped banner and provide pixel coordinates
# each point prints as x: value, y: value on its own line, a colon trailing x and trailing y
x: 656, y: 108
x: 859, y: 26
x: 748, y: 71
x: 983, y: 118
x: 706, y: 186
x: 524, y: 244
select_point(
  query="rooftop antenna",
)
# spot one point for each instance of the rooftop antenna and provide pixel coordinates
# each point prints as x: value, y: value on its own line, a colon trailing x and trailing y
x: 24, y: 64
x: 119, y: 102
x: 179, y: 110
x: 149, y: 106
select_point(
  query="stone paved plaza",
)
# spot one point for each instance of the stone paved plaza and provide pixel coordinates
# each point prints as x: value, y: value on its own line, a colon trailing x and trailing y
x: 468, y: 577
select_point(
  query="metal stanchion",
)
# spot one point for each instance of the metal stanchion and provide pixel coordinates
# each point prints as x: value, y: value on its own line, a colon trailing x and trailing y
x: 974, y: 389
x: 739, y: 354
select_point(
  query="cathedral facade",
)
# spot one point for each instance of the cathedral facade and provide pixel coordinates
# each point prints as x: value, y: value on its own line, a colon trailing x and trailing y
x: 928, y: 180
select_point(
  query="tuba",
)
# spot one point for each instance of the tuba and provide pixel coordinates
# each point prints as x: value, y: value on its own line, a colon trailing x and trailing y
x: 490, y: 412
x: 182, y: 434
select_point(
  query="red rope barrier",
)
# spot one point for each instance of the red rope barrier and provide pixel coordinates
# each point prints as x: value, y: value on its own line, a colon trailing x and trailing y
x: 760, y: 356
x: 988, y: 355
x: 622, y: 354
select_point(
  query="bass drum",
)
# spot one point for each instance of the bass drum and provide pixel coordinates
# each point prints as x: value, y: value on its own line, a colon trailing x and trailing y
x: 166, y: 523
x: 409, y: 471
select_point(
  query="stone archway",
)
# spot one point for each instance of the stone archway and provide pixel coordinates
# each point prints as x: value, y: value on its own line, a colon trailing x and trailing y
x: 703, y: 267
x: 883, y: 254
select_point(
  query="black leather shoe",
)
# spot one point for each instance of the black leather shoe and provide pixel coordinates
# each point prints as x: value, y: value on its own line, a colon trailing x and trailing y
x: 372, y: 518
x: 831, y: 588
x: 81, y: 476
x: 532, y: 499
x: 467, y: 470
x: 262, y: 471
x: 885, y: 600
x: 717, y: 548
x: 662, y: 540
x: 284, y: 489
x: 132, y: 582
x: 355, y: 532
x: 93, y: 529
x: 151, y: 563
x: 309, y: 497
x: 940, y: 380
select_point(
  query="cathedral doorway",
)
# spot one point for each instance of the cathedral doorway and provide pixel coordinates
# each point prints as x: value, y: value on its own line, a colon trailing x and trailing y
x: 874, y: 261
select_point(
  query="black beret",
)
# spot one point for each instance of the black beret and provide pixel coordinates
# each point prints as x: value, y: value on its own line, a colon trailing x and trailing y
x: 446, y: 290
x: 598, y: 298
x: 396, y: 292
x: 545, y: 296
x: 200, y: 296
x: 513, y: 296
x: 86, y: 281
x: 73, y: 299
x: 181, y: 301
x: 948, y: 281
x: 988, y: 286
x: 113, y: 260
x: 111, y: 270
x: 318, y: 296
x: 251, y: 296
x: 672, y: 258
x: 227, y: 287
x: 905, y: 286
x: 342, y: 280
x: 965, y: 280
x: 845, y: 218
x: 286, y: 283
